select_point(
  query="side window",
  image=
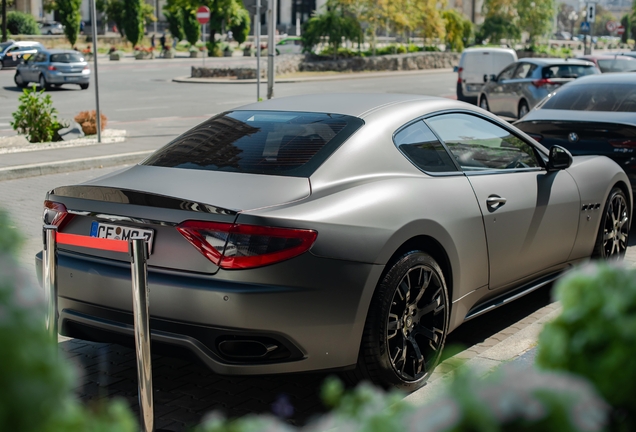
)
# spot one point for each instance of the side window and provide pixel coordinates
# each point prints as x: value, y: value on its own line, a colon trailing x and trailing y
x: 420, y: 145
x: 478, y: 144
x: 524, y: 70
x: 506, y: 73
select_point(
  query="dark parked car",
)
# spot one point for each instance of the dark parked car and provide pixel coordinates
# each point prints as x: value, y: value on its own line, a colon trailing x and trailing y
x: 345, y: 232
x: 612, y: 62
x: 522, y: 85
x: 13, y: 53
x: 54, y: 67
x: 594, y: 115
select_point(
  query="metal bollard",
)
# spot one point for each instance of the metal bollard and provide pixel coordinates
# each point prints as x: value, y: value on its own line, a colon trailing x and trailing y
x: 139, y: 270
x: 49, y: 277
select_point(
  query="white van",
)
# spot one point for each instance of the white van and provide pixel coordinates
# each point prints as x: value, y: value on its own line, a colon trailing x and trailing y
x: 477, y: 62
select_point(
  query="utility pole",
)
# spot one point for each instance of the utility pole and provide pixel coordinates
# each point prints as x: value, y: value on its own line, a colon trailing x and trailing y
x: 156, y: 16
x: 4, y: 20
x: 271, y: 46
x: 98, y: 117
x: 257, y: 42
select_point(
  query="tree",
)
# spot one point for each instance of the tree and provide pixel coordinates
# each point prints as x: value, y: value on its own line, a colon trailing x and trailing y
x: 626, y: 22
x: 175, y: 23
x: 535, y: 16
x: 191, y: 27
x: 458, y: 29
x: 70, y: 17
x: 497, y: 27
x: 4, y: 20
x: 133, y: 21
x: 114, y: 10
x: 240, y: 25
x: 333, y: 25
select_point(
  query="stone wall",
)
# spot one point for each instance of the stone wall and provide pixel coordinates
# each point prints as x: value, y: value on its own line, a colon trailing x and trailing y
x: 286, y: 64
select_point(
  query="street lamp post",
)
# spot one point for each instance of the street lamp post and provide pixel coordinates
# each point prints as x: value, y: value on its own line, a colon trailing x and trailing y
x: 97, y: 112
x: 271, y: 46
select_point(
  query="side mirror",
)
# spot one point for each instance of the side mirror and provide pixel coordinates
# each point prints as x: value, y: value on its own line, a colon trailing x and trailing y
x: 455, y: 68
x: 493, y: 77
x: 485, y: 78
x: 559, y: 158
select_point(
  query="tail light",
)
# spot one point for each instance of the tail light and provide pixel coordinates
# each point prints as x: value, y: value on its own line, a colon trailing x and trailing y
x: 237, y: 246
x: 541, y: 82
x: 459, y: 74
x: 623, y: 142
x: 52, y: 68
x: 536, y: 137
x: 55, y: 214
x: 86, y: 68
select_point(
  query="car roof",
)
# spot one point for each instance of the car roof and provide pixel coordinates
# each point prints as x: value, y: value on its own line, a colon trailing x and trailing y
x: 353, y: 104
x: 606, y: 78
x: 27, y: 43
x: 554, y: 61
x: 60, y: 51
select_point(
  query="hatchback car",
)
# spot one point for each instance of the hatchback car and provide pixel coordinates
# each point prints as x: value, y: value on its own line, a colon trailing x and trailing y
x: 13, y: 53
x: 348, y: 232
x: 54, y: 68
x: 523, y: 84
x: 595, y: 115
x: 612, y: 62
x: 51, y: 28
x: 289, y: 45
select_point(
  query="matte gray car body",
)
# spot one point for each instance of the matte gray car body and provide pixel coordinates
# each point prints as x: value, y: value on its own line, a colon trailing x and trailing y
x: 54, y: 67
x: 367, y: 202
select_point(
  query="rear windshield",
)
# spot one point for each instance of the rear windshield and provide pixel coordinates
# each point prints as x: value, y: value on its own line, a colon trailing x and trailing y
x: 259, y: 142
x: 617, y: 65
x: 66, y: 58
x: 594, y: 97
x: 568, y: 71
x: 4, y: 46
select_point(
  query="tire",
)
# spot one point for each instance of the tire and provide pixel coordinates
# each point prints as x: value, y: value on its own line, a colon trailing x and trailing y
x: 43, y: 84
x: 613, y: 233
x: 483, y: 103
x: 403, y: 338
x: 83, y: 86
x: 19, y: 80
x: 523, y: 108
x: 1, y: 64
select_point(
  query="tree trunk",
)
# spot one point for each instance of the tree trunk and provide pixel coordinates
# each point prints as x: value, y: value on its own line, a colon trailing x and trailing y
x: 4, y: 20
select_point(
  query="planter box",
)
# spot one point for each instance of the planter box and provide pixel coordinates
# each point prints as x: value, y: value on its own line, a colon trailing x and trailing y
x: 142, y: 55
x: 198, y: 54
x: 168, y: 54
x: 115, y: 56
x: 247, y: 52
x: 227, y: 53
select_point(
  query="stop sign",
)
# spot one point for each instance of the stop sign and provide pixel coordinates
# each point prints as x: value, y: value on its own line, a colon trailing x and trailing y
x: 620, y: 30
x: 203, y: 14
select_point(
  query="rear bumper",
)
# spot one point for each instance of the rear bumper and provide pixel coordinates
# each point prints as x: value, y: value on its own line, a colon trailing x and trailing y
x: 312, y: 309
x: 63, y: 78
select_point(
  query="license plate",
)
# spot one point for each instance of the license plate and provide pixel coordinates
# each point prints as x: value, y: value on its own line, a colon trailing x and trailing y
x: 70, y: 78
x: 119, y: 232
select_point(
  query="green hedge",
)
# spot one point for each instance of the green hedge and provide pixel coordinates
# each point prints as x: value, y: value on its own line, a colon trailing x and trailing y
x: 21, y: 23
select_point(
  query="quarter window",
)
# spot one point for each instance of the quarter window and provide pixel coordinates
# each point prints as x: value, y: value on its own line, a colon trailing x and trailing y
x: 478, y: 144
x: 420, y: 145
x: 506, y: 73
x: 524, y: 70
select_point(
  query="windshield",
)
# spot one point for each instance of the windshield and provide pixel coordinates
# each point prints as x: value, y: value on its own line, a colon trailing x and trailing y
x: 617, y: 65
x: 4, y: 46
x: 594, y: 97
x: 568, y: 71
x: 66, y: 58
x: 259, y: 142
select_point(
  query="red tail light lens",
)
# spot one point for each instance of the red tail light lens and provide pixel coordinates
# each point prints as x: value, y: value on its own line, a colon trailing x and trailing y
x: 535, y: 137
x: 55, y: 214
x: 541, y: 82
x: 236, y: 246
x: 623, y: 142
x: 51, y: 68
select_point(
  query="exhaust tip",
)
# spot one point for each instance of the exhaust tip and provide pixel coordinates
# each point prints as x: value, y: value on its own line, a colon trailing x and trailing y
x: 246, y: 349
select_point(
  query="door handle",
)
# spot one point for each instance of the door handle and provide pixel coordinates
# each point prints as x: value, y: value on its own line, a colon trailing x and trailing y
x: 495, y: 201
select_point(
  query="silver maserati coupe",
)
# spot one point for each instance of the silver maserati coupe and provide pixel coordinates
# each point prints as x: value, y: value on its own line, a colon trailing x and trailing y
x: 347, y: 232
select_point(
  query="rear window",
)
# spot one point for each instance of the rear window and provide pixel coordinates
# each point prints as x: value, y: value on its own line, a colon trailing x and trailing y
x: 259, y: 142
x: 617, y: 65
x: 594, y: 97
x: 67, y: 58
x: 568, y: 71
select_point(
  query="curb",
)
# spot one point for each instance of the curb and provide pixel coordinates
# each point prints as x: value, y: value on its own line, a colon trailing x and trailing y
x: 31, y: 170
x: 492, y: 358
x: 338, y: 76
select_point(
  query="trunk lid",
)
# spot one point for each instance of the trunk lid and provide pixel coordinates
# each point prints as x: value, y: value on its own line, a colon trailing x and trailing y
x: 158, y: 199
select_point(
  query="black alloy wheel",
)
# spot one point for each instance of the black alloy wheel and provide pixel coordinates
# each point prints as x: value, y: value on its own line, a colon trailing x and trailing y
x: 613, y: 235
x: 407, y: 324
x: 483, y: 103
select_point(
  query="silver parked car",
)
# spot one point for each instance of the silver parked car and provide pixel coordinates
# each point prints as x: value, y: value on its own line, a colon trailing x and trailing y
x: 349, y: 232
x: 54, y: 67
x: 522, y: 85
x: 51, y: 28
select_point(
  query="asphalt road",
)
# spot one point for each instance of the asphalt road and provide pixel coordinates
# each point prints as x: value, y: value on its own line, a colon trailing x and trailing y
x: 139, y: 96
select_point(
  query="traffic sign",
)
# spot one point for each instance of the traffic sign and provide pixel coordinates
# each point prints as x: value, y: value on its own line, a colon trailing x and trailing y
x: 620, y: 30
x: 611, y: 26
x: 203, y: 14
x: 585, y: 27
x: 591, y: 12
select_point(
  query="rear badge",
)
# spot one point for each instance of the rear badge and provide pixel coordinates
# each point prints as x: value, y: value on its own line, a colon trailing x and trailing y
x: 573, y: 137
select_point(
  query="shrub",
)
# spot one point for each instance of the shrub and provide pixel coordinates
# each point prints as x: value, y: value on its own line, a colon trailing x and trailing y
x: 595, y: 335
x: 88, y: 121
x: 36, y: 118
x: 22, y: 23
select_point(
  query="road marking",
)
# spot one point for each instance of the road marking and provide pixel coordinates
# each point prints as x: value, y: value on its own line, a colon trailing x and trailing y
x: 142, y: 108
x: 4, y: 124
